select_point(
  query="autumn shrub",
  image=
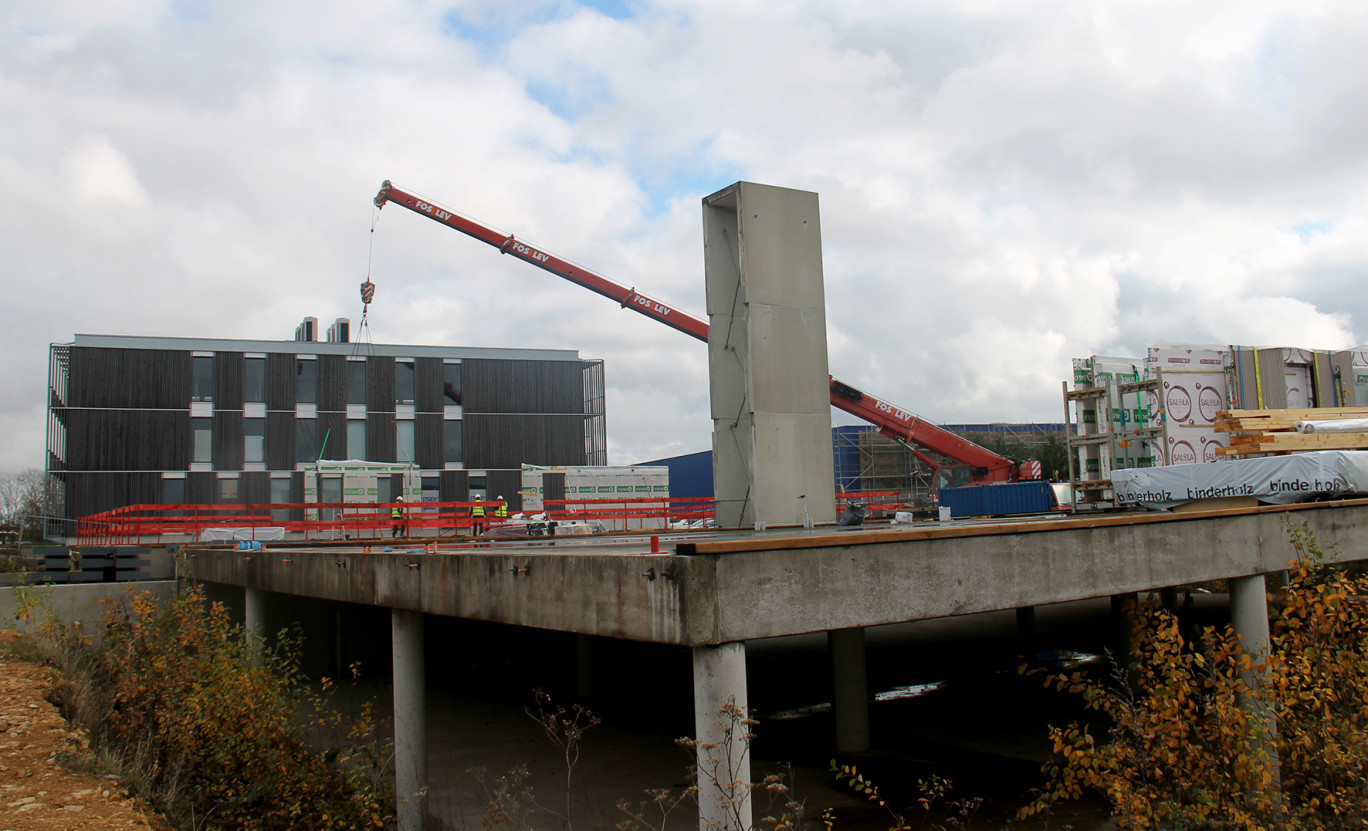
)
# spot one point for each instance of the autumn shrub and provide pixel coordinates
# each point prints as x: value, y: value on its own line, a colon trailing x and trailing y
x: 206, y: 722
x: 1192, y: 745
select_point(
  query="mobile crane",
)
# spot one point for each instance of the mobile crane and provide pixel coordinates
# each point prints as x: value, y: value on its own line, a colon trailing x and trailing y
x: 898, y: 424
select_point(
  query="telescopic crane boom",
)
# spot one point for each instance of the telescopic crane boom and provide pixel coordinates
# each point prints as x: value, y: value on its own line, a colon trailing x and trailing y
x: 894, y: 422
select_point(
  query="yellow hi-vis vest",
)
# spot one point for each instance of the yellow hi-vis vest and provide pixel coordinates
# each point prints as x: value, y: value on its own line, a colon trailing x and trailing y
x: 478, y: 510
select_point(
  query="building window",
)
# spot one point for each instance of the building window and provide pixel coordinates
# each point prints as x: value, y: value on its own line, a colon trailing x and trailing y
x: 451, y: 440
x: 173, y: 491
x: 202, y: 386
x: 332, y: 491
x: 306, y: 440
x: 255, y: 391
x: 403, y: 382
x: 203, y: 429
x: 451, y: 384
x: 356, y: 384
x: 254, y: 437
x: 306, y: 371
x: 405, y: 444
x: 280, y: 495
x: 228, y: 490
x: 356, y: 438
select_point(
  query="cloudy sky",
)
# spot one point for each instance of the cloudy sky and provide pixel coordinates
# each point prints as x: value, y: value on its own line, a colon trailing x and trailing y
x: 1004, y: 185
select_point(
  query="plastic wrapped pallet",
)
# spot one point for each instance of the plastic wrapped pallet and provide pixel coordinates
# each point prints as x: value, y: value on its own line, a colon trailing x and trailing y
x: 1271, y: 479
x: 1194, y: 379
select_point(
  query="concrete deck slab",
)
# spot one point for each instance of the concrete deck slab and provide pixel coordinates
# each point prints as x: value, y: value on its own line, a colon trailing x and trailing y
x: 739, y: 586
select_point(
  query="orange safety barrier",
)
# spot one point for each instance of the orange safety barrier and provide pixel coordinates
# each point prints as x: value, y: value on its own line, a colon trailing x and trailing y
x: 620, y: 514
x: 309, y: 520
x: 374, y: 521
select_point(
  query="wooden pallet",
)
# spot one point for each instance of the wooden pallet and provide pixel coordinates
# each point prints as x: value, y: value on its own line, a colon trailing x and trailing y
x: 1275, y: 431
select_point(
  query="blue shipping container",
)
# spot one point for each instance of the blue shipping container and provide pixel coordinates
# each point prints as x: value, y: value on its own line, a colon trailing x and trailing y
x: 1036, y: 497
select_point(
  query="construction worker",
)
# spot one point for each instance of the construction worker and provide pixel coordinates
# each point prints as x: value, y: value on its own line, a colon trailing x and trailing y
x: 478, y: 512
x: 501, y: 511
x: 397, y: 514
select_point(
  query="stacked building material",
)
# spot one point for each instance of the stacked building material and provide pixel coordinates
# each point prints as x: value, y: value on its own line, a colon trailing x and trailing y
x: 1194, y: 388
x: 1163, y: 410
x: 1258, y: 432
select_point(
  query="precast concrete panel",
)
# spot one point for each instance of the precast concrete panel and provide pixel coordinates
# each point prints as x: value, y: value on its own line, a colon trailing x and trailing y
x: 767, y: 356
x: 780, y: 484
x: 781, y: 366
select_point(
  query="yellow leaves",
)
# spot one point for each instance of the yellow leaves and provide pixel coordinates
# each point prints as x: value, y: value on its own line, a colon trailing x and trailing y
x: 1187, y: 747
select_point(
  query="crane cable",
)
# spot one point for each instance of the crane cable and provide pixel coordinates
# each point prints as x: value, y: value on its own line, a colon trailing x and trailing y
x: 367, y: 294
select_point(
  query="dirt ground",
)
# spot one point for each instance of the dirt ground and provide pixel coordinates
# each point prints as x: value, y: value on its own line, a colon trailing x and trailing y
x: 39, y: 789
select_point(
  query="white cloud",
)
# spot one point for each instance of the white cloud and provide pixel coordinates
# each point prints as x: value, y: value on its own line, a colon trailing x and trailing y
x: 1004, y: 185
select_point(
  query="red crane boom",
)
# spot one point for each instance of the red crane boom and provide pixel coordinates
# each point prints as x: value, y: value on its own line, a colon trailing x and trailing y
x: 894, y: 422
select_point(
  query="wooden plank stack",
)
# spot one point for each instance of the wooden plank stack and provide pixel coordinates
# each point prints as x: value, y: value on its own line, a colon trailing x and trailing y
x: 1258, y: 432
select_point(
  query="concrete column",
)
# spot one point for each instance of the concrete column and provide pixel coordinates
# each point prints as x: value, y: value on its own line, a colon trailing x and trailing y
x: 1249, y: 618
x: 254, y: 613
x: 1025, y: 618
x: 1122, y: 630
x: 724, y: 782
x: 410, y: 729
x: 584, y: 665
x: 767, y: 357
x: 850, y: 689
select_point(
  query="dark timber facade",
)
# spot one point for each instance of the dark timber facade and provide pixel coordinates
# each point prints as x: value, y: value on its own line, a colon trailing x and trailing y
x: 138, y: 420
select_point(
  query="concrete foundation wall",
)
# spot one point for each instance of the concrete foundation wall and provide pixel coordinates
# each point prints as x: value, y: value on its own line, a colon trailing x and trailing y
x: 79, y: 604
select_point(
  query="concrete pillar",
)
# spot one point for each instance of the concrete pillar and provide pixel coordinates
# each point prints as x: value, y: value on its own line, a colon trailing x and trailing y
x: 410, y: 729
x: 584, y: 665
x: 1025, y: 618
x: 767, y: 358
x: 254, y: 613
x: 850, y: 689
x: 720, y: 705
x: 1249, y: 618
x: 1123, y: 632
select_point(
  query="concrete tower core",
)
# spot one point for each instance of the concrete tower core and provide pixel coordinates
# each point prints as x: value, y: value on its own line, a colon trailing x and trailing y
x: 767, y: 357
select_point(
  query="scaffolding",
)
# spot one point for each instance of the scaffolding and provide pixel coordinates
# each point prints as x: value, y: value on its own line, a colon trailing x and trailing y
x: 870, y: 461
x: 1114, y: 421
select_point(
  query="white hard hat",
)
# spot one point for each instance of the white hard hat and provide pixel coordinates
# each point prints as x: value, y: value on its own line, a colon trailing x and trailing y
x: 398, y: 499
x: 501, y: 496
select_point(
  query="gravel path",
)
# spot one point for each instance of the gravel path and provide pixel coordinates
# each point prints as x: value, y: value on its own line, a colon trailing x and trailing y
x: 37, y: 792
